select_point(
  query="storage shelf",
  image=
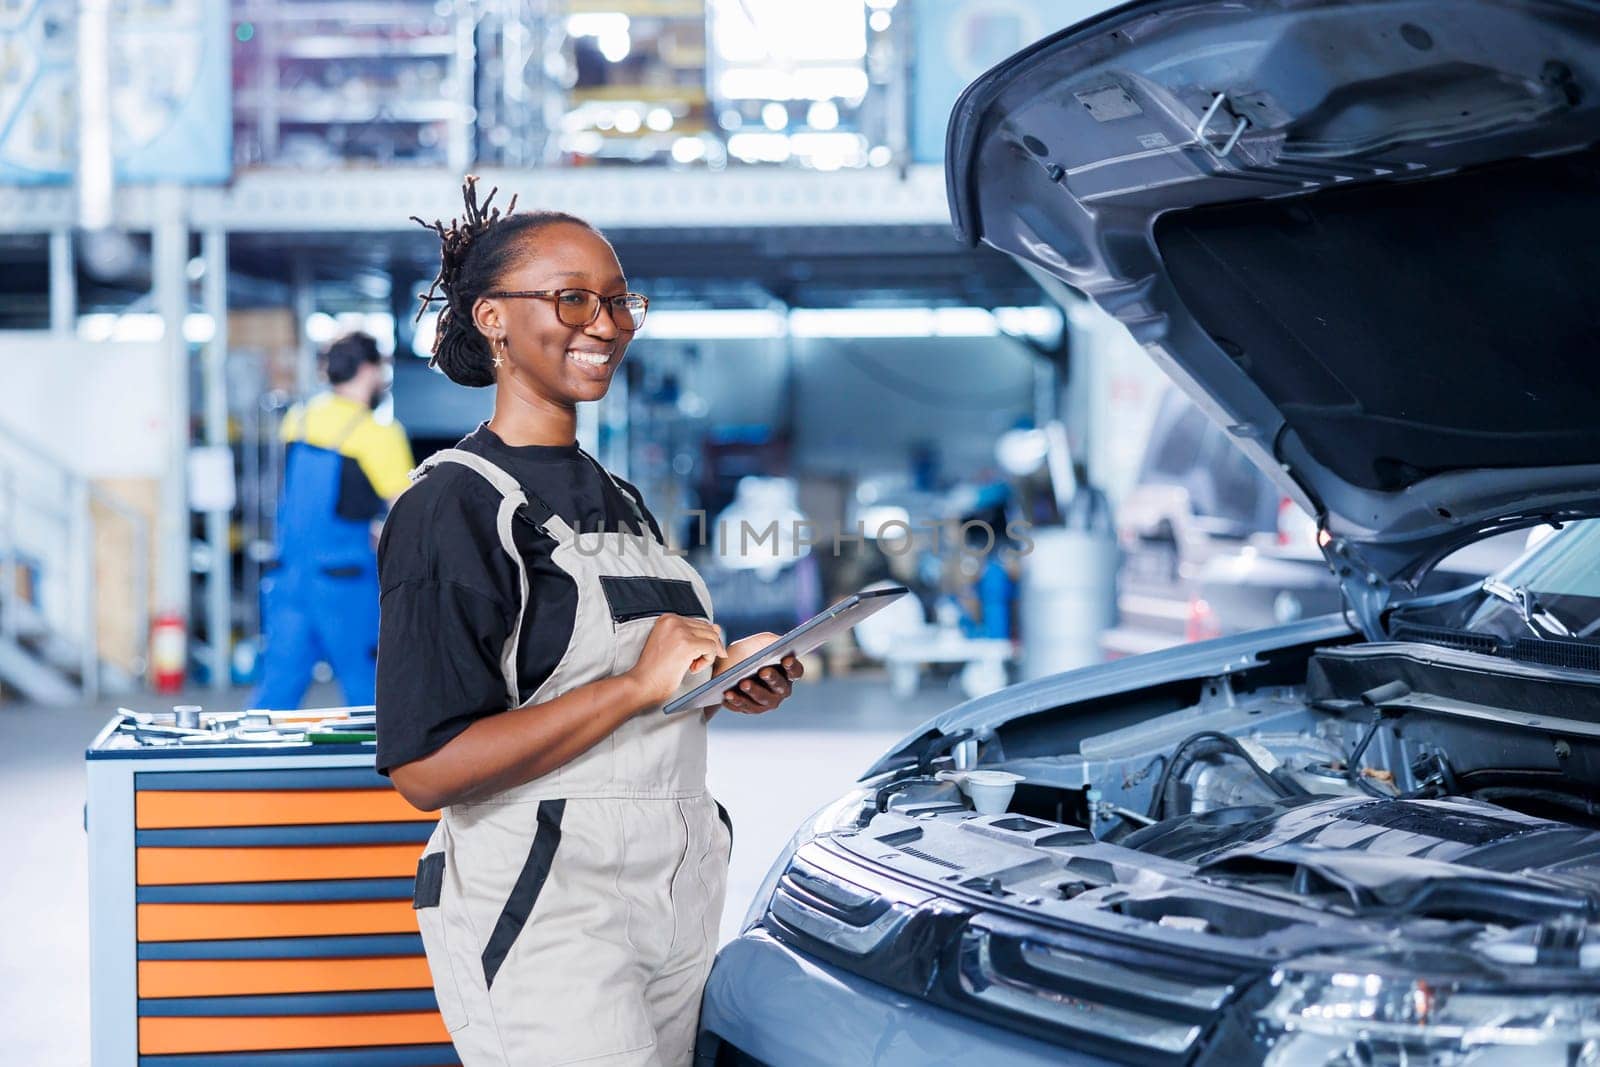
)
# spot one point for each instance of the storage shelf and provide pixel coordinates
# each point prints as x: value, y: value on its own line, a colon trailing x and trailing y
x: 646, y: 94
x: 330, y: 47
x: 643, y: 9
x: 315, y: 111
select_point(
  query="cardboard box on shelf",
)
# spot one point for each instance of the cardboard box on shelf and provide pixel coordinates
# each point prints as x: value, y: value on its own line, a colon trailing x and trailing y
x: 272, y: 333
x: 117, y: 624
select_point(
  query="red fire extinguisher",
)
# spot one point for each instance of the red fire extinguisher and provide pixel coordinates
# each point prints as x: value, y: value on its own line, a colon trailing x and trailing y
x: 169, y: 652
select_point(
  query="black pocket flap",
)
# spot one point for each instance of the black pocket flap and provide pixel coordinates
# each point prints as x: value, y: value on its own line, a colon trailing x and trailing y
x: 430, y: 881
x: 640, y: 597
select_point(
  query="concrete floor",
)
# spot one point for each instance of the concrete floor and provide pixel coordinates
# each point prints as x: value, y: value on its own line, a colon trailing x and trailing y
x: 769, y: 771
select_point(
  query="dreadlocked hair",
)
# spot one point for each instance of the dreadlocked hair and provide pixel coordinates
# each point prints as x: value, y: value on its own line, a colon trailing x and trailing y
x: 474, y: 252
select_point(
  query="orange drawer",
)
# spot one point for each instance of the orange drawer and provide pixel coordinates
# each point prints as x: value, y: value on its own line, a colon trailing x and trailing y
x: 179, y: 809
x: 224, y: 978
x: 219, y: 922
x: 158, y: 865
x: 174, y: 1036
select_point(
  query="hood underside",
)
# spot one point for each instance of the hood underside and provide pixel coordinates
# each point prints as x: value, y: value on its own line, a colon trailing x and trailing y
x: 1364, y: 235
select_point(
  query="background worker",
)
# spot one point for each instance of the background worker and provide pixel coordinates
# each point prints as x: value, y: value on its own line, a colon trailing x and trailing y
x: 342, y: 469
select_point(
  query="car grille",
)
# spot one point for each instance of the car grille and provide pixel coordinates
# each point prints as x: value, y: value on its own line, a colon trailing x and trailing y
x: 1015, y: 969
x: 1130, y: 1004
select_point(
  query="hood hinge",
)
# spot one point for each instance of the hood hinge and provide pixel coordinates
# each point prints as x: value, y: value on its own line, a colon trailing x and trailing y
x: 1366, y: 591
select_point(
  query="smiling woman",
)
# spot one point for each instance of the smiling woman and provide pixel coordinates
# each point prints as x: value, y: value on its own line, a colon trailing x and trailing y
x: 532, y: 625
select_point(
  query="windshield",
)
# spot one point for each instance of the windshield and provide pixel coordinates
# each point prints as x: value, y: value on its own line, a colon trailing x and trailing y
x: 1552, y: 592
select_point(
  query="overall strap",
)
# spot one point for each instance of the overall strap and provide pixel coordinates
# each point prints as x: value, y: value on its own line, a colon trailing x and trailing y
x: 349, y: 431
x: 634, y: 502
x: 303, y: 413
x: 512, y: 499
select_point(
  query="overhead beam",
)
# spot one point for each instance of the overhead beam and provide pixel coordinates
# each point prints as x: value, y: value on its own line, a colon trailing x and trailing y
x: 354, y: 201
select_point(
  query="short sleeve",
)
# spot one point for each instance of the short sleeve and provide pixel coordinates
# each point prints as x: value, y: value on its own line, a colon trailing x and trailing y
x: 439, y: 647
x: 292, y: 428
x: 385, y: 458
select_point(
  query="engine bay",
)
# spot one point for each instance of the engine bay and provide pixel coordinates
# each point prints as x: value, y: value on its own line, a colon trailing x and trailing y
x: 1400, y: 795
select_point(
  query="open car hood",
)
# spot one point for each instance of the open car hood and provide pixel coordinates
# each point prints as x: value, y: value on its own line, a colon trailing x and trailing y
x: 1365, y: 236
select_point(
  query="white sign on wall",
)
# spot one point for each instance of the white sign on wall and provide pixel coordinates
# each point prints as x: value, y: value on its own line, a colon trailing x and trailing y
x: 97, y: 407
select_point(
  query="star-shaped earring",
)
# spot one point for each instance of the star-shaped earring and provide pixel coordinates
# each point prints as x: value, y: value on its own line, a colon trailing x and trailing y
x: 500, y: 352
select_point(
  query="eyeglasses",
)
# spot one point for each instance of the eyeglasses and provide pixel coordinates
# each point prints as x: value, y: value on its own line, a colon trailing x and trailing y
x: 580, y: 307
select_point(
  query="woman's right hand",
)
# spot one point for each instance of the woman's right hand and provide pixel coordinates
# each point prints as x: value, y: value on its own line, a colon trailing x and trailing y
x: 677, y: 647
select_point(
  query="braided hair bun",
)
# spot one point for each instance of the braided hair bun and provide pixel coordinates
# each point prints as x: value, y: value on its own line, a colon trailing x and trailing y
x: 474, y: 252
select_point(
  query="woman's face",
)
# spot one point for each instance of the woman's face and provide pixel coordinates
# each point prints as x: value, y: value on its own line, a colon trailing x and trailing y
x: 560, y: 363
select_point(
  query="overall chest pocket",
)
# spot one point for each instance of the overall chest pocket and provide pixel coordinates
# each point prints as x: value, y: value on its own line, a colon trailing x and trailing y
x: 636, y: 597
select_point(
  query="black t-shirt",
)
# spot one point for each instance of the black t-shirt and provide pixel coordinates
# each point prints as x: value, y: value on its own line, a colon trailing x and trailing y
x: 450, y: 592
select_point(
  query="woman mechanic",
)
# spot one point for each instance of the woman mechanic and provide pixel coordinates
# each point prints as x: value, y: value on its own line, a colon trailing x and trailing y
x: 532, y: 624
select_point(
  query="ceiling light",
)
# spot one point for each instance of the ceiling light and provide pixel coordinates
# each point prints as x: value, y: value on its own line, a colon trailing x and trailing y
x: 822, y: 115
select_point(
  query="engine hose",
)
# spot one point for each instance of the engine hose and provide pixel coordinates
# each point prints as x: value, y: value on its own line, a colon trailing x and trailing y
x: 1522, y: 799
x: 1352, y: 770
x: 1190, y: 751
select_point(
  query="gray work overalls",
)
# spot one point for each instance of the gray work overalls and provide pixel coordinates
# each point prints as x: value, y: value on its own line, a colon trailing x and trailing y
x: 574, y: 918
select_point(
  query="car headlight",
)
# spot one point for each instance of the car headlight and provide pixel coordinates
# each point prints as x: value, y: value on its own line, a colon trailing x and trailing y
x: 837, y: 814
x: 1341, y: 1019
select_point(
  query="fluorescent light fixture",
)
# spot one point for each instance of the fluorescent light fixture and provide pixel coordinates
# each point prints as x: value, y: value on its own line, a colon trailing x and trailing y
x: 96, y: 326
x: 688, y: 149
x: 822, y: 115
x: 610, y: 30
x: 596, y: 24
x: 861, y: 322
x: 813, y: 83
x: 583, y: 143
x: 321, y: 327
x: 134, y: 326
x: 963, y: 322
x: 764, y: 323
x: 1039, y: 321
x: 830, y: 151
x: 422, y: 338
x: 760, y: 147
x: 199, y: 328
x: 708, y: 324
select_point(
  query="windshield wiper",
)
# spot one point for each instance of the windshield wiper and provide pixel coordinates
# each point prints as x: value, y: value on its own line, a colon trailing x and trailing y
x: 1538, y: 619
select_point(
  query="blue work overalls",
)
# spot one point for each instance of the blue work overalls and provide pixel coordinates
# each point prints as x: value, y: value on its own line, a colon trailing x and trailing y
x: 320, y: 602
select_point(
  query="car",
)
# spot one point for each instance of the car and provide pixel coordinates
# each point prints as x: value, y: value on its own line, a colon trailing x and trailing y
x: 1198, y: 509
x: 1211, y: 547
x: 1363, y: 236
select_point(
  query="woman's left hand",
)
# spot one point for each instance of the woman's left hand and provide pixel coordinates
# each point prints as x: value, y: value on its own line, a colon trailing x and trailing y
x: 769, y: 687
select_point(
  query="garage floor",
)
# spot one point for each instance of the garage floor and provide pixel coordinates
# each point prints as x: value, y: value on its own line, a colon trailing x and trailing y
x: 770, y: 771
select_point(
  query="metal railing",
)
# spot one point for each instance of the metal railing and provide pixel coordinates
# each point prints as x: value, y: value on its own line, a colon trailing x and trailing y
x: 49, y: 510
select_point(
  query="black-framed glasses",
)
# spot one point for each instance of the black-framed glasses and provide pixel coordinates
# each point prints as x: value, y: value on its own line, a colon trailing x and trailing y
x: 580, y: 307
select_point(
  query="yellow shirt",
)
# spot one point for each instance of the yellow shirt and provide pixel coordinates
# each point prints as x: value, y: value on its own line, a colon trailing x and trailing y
x: 380, y: 448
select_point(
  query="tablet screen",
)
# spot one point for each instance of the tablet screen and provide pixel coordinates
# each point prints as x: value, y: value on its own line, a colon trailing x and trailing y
x: 802, y: 639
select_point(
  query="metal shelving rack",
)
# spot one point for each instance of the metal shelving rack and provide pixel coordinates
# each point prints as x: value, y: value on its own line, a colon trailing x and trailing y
x: 330, y: 82
x: 663, y: 72
x: 519, y: 104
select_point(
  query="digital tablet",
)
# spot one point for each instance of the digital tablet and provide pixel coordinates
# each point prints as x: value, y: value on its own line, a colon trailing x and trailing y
x: 797, y: 642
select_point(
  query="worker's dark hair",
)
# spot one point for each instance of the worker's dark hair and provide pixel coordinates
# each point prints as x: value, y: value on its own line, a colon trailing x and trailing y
x: 346, y: 355
x: 474, y: 251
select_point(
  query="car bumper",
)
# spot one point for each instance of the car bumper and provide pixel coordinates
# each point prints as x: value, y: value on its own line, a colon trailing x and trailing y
x: 769, y: 1003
